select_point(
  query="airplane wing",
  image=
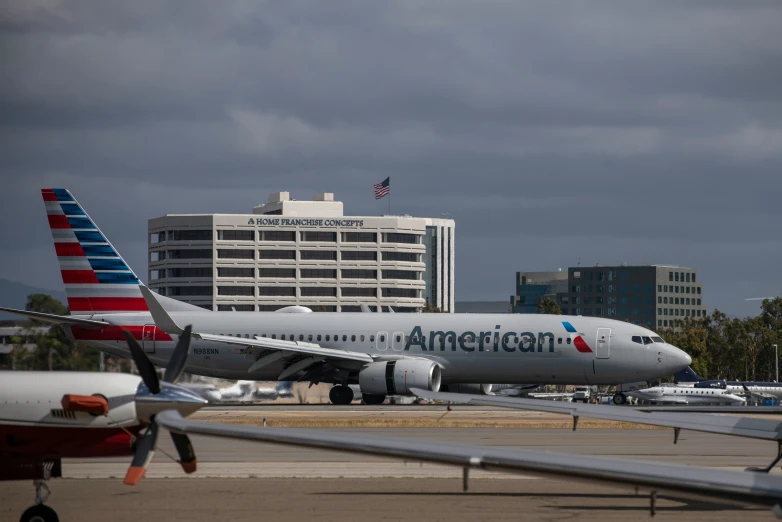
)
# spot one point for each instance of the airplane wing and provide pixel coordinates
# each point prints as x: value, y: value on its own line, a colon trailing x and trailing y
x: 743, y: 487
x: 260, y: 345
x: 57, y: 319
x: 750, y: 427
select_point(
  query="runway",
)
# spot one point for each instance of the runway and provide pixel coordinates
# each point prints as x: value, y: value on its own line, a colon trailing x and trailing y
x: 244, y: 481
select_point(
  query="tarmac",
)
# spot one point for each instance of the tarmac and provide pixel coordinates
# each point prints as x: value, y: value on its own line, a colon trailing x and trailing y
x: 249, y: 481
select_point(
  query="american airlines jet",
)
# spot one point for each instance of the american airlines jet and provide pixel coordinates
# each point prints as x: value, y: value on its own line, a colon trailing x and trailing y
x: 385, y: 354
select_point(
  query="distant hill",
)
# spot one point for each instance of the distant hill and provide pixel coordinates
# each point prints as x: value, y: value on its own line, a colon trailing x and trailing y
x: 14, y: 295
x: 482, y: 307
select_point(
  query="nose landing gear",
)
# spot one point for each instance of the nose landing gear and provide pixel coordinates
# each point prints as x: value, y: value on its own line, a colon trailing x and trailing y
x: 41, y: 512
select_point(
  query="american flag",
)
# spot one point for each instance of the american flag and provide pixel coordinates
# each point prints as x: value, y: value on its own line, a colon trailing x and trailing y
x: 383, y: 188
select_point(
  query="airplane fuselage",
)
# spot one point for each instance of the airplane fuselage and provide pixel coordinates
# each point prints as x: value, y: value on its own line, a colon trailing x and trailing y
x: 475, y: 348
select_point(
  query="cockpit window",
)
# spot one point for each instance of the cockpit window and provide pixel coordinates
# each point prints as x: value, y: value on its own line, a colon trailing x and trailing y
x: 647, y: 340
x: 658, y: 339
x: 637, y: 339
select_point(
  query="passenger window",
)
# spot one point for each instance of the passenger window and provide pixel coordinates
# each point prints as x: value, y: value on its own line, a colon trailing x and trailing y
x: 309, y: 337
x: 399, y: 338
x: 301, y: 337
x: 291, y: 337
x: 274, y: 336
x: 344, y: 338
x: 382, y: 338
x: 568, y: 340
x: 318, y: 337
x: 371, y: 338
x: 362, y: 338
x: 328, y: 337
x: 637, y: 339
x: 353, y: 338
x: 559, y: 341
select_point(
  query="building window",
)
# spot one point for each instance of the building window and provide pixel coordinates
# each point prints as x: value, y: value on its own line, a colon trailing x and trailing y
x: 400, y: 274
x: 277, y: 272
x: 564, y: 299
x: 276, y: 254
x: 699, y: 290
x: 189, y: 235
x: 236, y: 235
x: 321, y: 255
x: 612, y: 311
x: 612, y: 275
x: 271, y: 308
x: 624, y: 276
x: 190, y: 272
x: 359, y: 237
x: 576, y: 300
x: 189, y: 290
x: 598, y: 311
x: 392, y: 237
x: 410, y: 293
x: 612, y: 288
x: 409, y: 257
x: 359, y: 274
x: 575, y: 288
x: 670, y: 276
x: 232, y: 271
x: 361, y: 255
x: 325, y: 237
x: 687, y: 290
x: 236, y: 290
x: 612, y: 300
x: 587, y: 311
x: 235, y: 308
x: 235, y: 253
x: 659, y: 311
x: 699, y: 302
x: 599, y: 275
x: 201, y: 253
x: 318, y: 273
x: 687, y: 277
x: 599, y: 299
x: 277, y: 291
x: 587, y: 299
x: 278, y: 235
x: 318, y: 291
x: 576, y: 275
x: 693, y: 278
x: 359, y: 292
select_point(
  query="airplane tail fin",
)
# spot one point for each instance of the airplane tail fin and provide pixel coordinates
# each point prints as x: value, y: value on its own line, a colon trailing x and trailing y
x: 688, y: 375
x: 96, y: 277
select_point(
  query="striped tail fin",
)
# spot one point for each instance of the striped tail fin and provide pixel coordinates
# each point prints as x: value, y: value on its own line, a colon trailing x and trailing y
x: 97, y: 279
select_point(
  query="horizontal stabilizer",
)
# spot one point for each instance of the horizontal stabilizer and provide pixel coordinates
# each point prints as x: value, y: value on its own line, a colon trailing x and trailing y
x: 57, y: 319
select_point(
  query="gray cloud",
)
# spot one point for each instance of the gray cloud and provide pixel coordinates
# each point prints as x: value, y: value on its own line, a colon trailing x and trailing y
x: 550, y: 131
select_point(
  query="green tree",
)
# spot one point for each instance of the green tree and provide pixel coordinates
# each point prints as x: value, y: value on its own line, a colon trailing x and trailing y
x: 54, y: 349
x: 429, y: 309
x: 546, y: 305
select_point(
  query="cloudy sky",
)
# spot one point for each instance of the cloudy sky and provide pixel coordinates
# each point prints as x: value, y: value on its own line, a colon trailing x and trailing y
x: 643, y: 132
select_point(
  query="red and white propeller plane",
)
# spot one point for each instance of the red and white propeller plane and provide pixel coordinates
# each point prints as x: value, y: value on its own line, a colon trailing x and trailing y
x: 48, y: 416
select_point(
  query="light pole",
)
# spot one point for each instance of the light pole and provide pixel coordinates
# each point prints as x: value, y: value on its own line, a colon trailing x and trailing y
x: 776, y: 360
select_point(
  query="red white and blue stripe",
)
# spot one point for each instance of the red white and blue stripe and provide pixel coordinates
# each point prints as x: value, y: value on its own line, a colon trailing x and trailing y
x: 96, y: 278
x: 578, y: 341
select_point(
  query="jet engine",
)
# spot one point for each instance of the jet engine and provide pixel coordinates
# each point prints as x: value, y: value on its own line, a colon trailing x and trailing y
x: 397, y: 377
x: 472, y: 389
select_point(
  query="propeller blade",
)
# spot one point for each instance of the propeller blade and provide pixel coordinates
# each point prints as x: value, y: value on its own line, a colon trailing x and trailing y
x: 145, y: 448
x: 178, y: 359
x: 184, y: 448
x: 145, y: 367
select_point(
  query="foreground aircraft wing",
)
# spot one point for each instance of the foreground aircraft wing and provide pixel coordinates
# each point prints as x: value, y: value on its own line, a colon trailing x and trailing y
x: 750, y: 427
x: 57, y: 319
x: 743, y: 487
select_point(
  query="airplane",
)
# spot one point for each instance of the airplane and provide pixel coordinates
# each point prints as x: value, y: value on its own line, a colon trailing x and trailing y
x: 242, y: 391
x: 762, y: 389
x: 152, y: 397
x: 83, y: 415
x: 682, y: 395
x: 384, y: 354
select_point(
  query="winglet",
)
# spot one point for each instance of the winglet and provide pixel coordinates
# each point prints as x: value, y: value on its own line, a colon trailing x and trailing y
x: 159, y: 314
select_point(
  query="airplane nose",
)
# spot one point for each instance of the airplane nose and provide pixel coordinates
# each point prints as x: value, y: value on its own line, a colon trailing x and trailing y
x: 677, y: 359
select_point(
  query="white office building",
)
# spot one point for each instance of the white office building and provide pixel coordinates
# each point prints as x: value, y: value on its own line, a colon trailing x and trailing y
x: 307, y: 253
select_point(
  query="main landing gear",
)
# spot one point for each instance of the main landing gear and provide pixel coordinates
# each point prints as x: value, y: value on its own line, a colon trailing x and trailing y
x: 372, y: 400
x: 620, y: 398
x: 40, y: 512
x: 341, y: 394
